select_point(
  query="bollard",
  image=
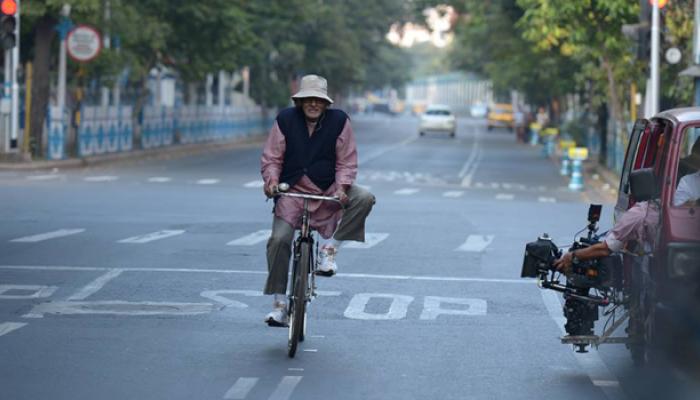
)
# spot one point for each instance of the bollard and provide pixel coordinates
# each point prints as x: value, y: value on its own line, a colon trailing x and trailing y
x: 577, y: 155
x: 564, y: 165
x: 548, y: 135
x: 564, y: 146
x: 534, y: 133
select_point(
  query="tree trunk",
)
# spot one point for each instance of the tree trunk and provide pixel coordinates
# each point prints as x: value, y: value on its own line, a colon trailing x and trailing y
x: 41, y: 91
x: 614, y: 100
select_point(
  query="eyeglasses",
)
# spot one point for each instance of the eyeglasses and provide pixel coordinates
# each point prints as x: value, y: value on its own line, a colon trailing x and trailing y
x: 313, y: 100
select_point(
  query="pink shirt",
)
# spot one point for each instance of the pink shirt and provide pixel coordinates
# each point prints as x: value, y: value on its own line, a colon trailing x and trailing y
x: 325, y: 215
x: 639, y: 223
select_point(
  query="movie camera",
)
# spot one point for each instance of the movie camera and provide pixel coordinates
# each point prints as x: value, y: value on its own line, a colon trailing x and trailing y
x: 589, y: 284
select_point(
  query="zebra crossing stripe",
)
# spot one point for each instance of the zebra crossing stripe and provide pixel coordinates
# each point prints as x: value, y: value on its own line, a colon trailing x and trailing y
x: 149, y: 237
x: 285, y: 388
x: 43, y: 177
x: 476, y: 243
x: 371, y: 240
x: 255, y: 184
x: 207, y: 181
x: 48, y: 235
x: 505, y: 196
x: 406, y: 191
x: 102, y: 178
x: 241, y: 388
x: 546, y: 199
x: 252, y: 239
x: 159, y: 179
x: 453, y: 193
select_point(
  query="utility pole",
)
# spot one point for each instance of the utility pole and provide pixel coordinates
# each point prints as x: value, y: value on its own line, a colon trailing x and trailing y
x: 694, y: 69
x: 654, y: 65
x: 14, y: 117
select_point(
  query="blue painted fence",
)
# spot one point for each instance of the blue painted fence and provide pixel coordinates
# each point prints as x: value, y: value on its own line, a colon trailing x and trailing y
x: 110, y: 129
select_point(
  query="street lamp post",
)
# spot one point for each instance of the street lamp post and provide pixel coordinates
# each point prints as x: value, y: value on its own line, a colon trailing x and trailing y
x: 654, y: 64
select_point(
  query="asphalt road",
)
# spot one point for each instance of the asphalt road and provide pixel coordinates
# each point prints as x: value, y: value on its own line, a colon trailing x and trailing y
x: 143, y: 280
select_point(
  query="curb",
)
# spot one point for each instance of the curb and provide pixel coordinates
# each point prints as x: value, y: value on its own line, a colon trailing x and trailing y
x: 174, y: 151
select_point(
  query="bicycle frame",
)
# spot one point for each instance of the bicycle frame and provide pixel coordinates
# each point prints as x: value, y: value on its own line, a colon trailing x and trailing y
x: 302, y: 290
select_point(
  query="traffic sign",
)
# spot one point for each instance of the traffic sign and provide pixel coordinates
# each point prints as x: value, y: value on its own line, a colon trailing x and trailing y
x: 673, y: 55
x: 83, y: 43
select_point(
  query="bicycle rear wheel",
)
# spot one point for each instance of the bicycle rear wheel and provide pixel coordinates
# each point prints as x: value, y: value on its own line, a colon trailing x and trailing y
x: 298, y: 306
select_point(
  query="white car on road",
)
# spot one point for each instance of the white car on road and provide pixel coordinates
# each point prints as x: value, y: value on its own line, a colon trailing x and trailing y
x: 438, y: 118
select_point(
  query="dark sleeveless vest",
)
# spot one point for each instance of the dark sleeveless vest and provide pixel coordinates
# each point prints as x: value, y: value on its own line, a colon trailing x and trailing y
x: 311, y: 156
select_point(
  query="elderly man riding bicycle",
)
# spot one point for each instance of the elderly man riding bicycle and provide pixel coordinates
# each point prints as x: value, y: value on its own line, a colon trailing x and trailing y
x: 312, y: 148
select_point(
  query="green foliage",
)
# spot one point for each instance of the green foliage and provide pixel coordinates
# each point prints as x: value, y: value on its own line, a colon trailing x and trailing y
x: 279, y: 39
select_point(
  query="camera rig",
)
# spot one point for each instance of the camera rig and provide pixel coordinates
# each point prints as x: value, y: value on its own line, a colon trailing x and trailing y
x: 589, y: 285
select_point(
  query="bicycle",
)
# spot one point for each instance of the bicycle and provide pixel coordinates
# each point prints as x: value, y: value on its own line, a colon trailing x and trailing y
x: 303, y: 285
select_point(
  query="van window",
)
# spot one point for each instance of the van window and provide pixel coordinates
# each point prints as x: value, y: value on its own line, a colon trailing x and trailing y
x: 687, y: 190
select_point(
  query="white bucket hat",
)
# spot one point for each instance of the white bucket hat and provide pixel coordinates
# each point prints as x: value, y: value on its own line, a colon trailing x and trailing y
x: 313, y: 86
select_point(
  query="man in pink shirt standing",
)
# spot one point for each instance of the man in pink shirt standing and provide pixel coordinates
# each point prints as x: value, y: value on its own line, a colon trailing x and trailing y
x: 312, y: 148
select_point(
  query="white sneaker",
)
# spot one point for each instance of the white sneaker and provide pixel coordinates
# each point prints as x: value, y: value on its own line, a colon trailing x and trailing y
x: 278, y: 315
x: 326, y: 261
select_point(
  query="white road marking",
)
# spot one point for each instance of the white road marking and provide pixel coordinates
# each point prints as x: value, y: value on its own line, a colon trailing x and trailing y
x: 311, y: 350
x: 94, y: 286
x: 101, y: 178
x: 406, y: 191
x: 366, y: 187
x: 590, y: 362
x: 453, y: 193
x: 494, y: 185
x: 606, y: 383
x: 149, y: 237
x: 476, y: 243
x: 160, y: 179
x: 43, y: 177
x: 216, y: 295
x: 252, y: 239
x: 34, y: 291
x: 371, y: 240
x: 505, y: 196
x: 207, y: 181
x: 547, y: 199
x: 255, y: 184
x: 295, y: 369
x: 432, y: 307
x: 285, y: 388
x: 7, y: 327
x: 120, y: 308
x: 317, y: 336
x: 397, y: 309
x: 241, y: 388
x: 329, y: 293
x: 506, y: 186
x: 48, y: 235
x: 259, y: 272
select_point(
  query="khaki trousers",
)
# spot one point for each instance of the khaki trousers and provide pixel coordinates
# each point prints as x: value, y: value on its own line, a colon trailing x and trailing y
x: 279, y: 246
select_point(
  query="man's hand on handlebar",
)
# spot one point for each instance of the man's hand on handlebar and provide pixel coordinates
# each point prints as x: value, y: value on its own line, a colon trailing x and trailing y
x: 270, y: 190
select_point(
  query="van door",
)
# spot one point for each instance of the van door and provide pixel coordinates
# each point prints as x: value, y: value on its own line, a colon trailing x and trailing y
x: 632, y: 160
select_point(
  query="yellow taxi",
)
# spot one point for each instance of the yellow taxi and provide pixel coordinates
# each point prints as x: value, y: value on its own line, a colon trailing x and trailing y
x: 500, y: 115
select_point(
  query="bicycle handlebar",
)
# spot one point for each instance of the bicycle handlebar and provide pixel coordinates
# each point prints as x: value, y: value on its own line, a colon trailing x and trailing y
x: 281, y: 190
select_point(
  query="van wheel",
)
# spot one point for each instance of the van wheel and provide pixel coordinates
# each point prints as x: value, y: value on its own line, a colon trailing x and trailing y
x: 452, y: 134
x: 421, y: 133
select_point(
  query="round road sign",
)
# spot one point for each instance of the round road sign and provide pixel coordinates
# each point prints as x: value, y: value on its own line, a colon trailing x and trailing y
x: 83, y: 43
x: 673, y: 55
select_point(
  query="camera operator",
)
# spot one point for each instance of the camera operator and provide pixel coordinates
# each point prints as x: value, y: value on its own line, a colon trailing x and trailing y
x: 637, y: 226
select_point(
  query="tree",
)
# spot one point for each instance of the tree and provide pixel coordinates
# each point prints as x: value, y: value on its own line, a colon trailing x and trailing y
x: 39, y: 19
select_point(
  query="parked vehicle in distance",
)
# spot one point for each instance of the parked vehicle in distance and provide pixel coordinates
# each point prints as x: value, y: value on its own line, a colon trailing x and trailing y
x: 438, y: 118
x: 478, y: 110
x: 500, y: 115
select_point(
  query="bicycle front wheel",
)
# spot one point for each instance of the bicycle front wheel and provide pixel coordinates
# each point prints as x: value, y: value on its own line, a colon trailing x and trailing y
x: 298, y: 310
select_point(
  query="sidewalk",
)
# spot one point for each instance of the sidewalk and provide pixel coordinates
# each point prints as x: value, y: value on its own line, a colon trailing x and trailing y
x: 14, y: 162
